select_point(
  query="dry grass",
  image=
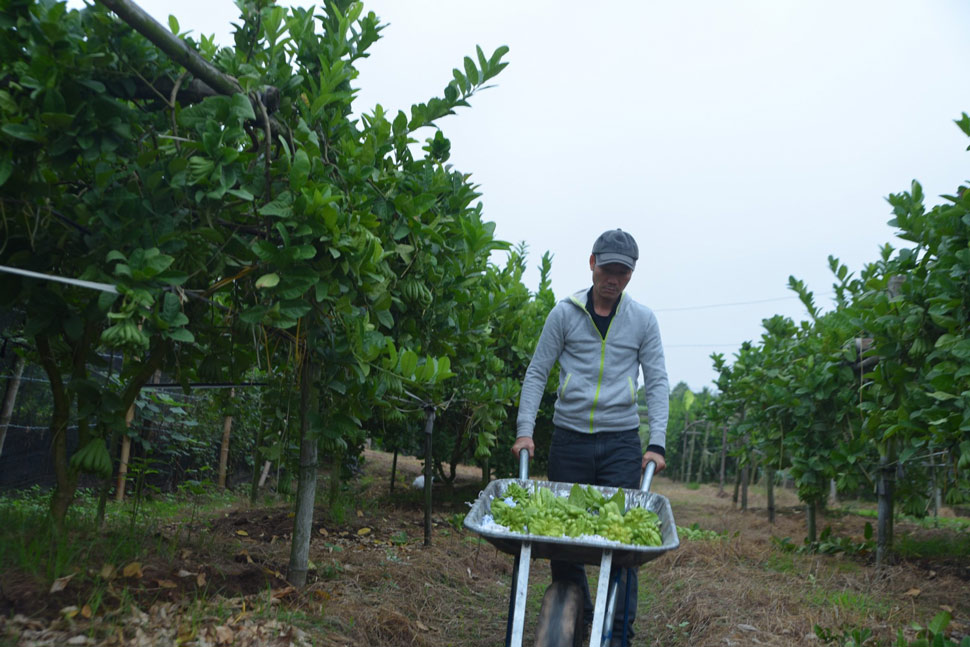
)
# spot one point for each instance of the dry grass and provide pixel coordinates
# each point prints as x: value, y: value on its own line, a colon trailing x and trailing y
x: 377, y: 584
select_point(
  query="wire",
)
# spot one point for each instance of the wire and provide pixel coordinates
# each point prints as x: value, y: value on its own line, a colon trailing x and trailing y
x: 724, y: 305
x: 104, y: 287
x: 701, y: 345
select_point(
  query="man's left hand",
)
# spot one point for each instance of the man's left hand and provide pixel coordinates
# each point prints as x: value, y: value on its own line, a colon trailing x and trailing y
x: 656, y: 458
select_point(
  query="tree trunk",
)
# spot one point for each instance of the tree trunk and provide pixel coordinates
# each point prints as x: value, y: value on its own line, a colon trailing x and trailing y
x: 704, y: 453
x: 428, y: 429
x: 833, y: 501
x: 810, y: 509
x: 394, y: 469
x: 307, y: 488
x: 737, y: 485
x: 886, y: 488
x: 690, y: 458
x: 745, y: 477
x: 125, y: 455
x: 683, y: 452
x: 224, y: 449
x: 65, y: 478
x: 720, y: 487
x: 770, y: 491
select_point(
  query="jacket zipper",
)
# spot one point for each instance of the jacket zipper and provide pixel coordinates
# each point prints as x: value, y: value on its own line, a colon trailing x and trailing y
x: 599, y: 380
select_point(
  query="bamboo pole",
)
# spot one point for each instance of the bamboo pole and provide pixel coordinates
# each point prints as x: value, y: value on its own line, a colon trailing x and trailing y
x: 224, y: 448
x: 9, y: 398
x: 125, y: 455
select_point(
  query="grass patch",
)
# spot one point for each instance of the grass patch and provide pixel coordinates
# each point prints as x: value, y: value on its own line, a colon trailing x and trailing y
x: 781, y: 563
x: 29, y: 544
x: 846, y: 601
x: 942, y: 545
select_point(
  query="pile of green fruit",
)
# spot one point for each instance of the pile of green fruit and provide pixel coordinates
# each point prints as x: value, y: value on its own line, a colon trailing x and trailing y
x: 93, y: 458
x: 584, y: 512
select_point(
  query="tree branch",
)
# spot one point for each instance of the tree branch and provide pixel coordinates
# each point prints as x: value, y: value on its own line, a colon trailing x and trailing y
x: 173, y: 46
x: 177, y: 50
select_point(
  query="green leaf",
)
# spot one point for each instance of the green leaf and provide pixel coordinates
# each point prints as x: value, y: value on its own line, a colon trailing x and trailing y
x: 115, y: 255
x: 281, y: 206
x: 400, y: 123
x: 6, y: 167
x: 20, y: 131
x: 409, y: 362
x: 173, y: 24
x: 300, y: 170
x: 241, y: 107
x: 242, y: 194
x: 255, y: 314
x: 180, y: 334
x: 172, y: 277
x: 470, y: 71
x: 91, y: 84
x: 170, y: 307
x: 268, y: 280
x: 939, y: 622
x: 964, y: 123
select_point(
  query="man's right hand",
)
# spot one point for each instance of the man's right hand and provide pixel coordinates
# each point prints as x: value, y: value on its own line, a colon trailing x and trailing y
x: 523, y: 442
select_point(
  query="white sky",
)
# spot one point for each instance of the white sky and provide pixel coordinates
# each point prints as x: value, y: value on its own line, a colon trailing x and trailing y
x: 738, y: 141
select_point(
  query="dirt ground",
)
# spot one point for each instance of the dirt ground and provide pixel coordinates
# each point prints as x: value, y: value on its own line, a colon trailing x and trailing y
x: 373, y: 582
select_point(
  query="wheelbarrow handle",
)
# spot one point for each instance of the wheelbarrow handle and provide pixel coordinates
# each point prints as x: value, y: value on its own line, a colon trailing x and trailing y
x: 648, y: 476
x: 523, y: 464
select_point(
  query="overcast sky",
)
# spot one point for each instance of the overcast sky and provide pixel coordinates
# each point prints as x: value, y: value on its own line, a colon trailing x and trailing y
x: 740, y: 142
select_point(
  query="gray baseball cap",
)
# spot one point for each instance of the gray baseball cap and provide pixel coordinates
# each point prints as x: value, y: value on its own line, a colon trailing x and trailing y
x: 616, y: 246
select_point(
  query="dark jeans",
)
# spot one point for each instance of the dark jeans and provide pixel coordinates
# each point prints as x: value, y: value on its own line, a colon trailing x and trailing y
x: 605, y: 458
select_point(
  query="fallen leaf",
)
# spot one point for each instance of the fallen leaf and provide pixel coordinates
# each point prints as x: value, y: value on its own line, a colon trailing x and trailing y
x: 243, y: 556
x: 70, y: 612
x: 200, y: 579
x: 86, y: 611
x: 132, y: 570
x: 185, y: 554
x: 224, y: 635
x: 947, y: 608
x: 747, y: 628
x: 107, y: 571
x: 184, y: 573
x: 363, y: 531
x: 272, y: 539
x: 360, y: 513
x: 242, y: 533
x: 323, y: 531
x: 282, y: 593
x: 167, y: 584
x: 913, y: 592
x: 422, y: 626
x: 79, y: 639
x: 61, y: 583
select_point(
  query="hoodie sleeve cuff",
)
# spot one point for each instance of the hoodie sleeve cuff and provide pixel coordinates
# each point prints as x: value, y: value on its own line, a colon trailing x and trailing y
x: 657, y: 449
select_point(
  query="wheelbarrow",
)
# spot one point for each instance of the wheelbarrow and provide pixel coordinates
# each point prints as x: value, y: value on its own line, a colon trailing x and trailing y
x: 561, y: 606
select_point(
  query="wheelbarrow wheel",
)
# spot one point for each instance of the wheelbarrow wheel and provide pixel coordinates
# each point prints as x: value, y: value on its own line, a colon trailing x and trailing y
x: 561, y: 617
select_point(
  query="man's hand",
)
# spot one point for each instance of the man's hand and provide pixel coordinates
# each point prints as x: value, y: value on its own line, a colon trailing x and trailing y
x: 652, y: 456
x: 523, y: 442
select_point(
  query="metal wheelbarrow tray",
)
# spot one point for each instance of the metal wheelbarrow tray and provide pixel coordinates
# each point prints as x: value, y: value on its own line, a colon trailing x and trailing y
x: 587, y: 549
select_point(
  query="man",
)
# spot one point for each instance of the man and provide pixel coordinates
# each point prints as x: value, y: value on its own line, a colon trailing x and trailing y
x: 601, y: 339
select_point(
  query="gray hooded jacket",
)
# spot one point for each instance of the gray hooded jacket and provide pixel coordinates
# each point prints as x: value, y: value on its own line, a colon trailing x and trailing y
x: 598, y: 376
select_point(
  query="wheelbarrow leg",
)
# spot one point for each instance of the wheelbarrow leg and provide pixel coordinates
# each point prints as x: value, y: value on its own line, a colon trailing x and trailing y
x: 605, y: 592
x: 520, y: 589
